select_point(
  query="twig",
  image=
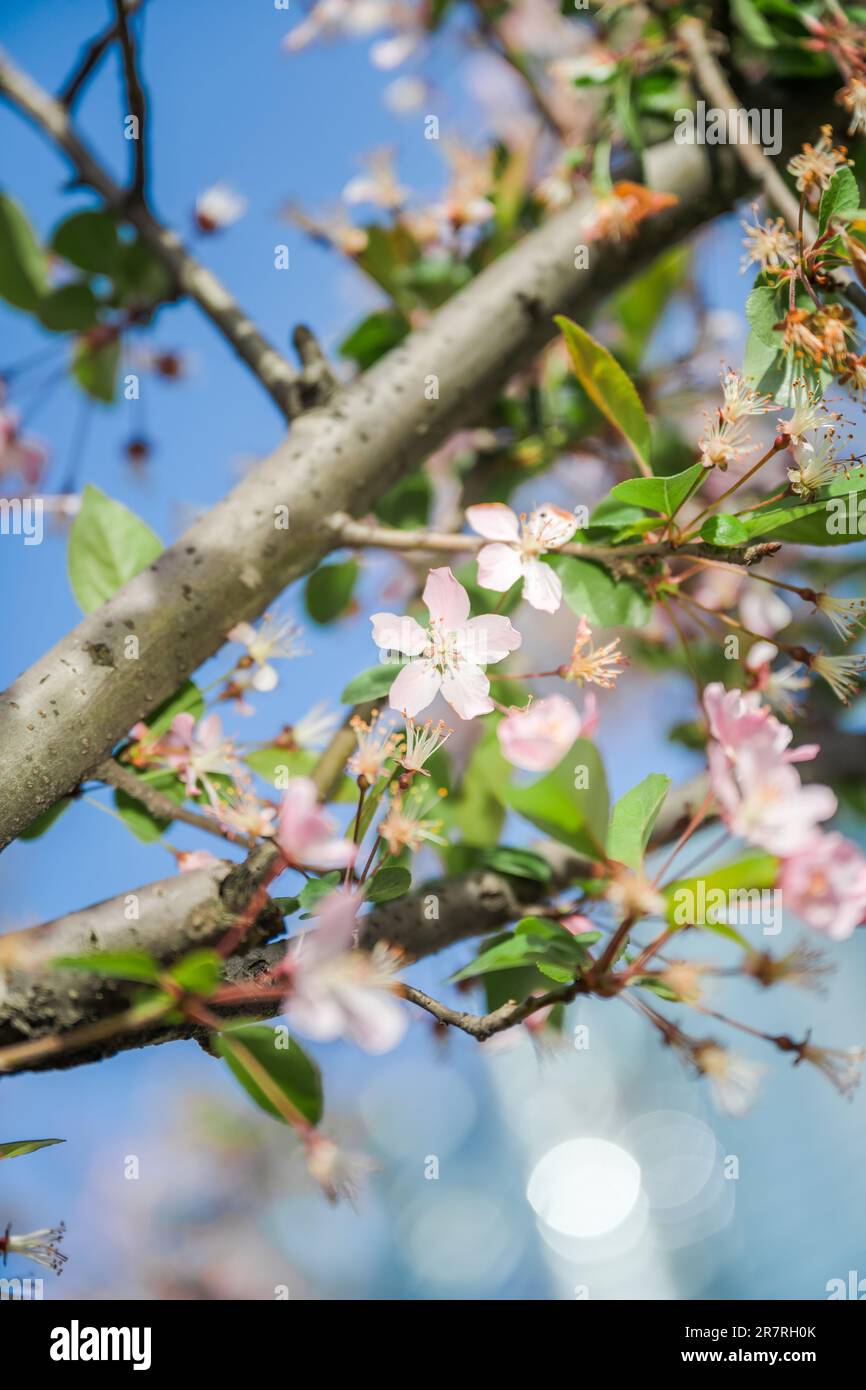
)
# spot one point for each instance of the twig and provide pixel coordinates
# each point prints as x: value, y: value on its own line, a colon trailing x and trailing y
x: 269, y: 366
x: 91, y: 58
x: 136, y: 98
x: 483, y: 1026
x: 162, y: 806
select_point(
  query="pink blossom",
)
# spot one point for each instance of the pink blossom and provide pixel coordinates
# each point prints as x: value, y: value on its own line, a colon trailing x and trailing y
x: 449, y: 654
x: 760, y: 794
x: 195, y: 750
x: 337, y: 990
x: 537, y: 738
x: 825, y: 884
x: 517, y: 548
x: 306, y: 833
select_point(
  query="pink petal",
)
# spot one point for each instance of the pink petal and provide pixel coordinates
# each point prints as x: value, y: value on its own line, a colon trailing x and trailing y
x: 182, y: 727
x: 552, y: 526
x: 542, y: 587
x: 494, y: 521
x: 467, y: 690
x: 488, y: 638
x: 396, y: 634
x: 415, y: 687
x: 375, y: 1020
x: 243, y: 633
x: 499, y: 566
x: 446, y: 599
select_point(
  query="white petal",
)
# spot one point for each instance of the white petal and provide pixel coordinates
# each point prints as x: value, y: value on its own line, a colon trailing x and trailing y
x: 542, y: 587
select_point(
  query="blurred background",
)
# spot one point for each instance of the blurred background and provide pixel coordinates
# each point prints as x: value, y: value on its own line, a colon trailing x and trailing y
x: 519, y: 1170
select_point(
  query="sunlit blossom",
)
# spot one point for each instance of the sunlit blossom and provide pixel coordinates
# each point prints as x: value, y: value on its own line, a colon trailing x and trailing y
x: 593, y: 665
x: 538, y: 737
x: 517, y: 549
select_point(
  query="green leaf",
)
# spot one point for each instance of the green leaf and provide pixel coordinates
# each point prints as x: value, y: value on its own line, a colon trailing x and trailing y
x: 187, y: 699
x: 607, y: 386
x: 88, y: 239
x: 113, y: 965
x: 285, y: 1062
x: 378, y: 333
x: 95, y: 369
x: 407, y: 504
x: 840, y: 198
x: 633, y: 818
x: 71, y: 308
x: 329, y: 590
x: 724, y: 530
x: 139, y: 276
x: 17, y: 1148
x: 764, y: 310
x: 663, y: 495
x: 44, y: 821
x: 641, y: 304
x: 23, y: 267
x: 476, y: 808
x: 752, y: 23
x: 108, y: 544
x: 276, y: 764
x: 570, y: 802
x: 317, y: 888
x: 838, y: 517
x: 592, y: 592
x: 694, y: 897
x: 288, y: 906
x: 371, y: 684
x: 200, y: 972
x: 143, y: 824
x: 388, y: 883
x: 518, y: 863
x: 533, y: 940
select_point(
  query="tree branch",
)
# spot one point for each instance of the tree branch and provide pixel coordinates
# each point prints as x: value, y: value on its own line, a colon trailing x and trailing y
x: 114, y: 774
x: 269, y: 366
x: 233, y: 561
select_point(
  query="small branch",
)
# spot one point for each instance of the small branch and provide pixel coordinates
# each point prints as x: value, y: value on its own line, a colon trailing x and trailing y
x: 136, y: 99
x: 90, y: 59
x: 483, y: 1026
x: 161, y: 806
x: 269, y: 366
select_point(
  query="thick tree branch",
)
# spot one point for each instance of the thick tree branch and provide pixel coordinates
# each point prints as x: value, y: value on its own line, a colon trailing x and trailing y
x: 52, y: 117
x: 238, y: 557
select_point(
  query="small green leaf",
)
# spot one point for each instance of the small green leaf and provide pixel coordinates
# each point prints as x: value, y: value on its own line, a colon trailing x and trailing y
x: 95, y: 369
x: 113, y: 965
x: 570, y: 802
x: 375, y: 336
x: 633, y: 818
x: 724, y: 530
x: 840, y: 198
x: 44, y: 821
x: 317, y: 888
x: 276, y: 764
x: 71, y: 308
x: 138, y: 818
x: 764, y: 309
x: 329, y: 590
x: 287, y: 906
x: 407, y: 504
x: 518, y: 863
x: 371, y: 684
x: 607, y: 386
x: 89, y: 240
x: 187, y: 699
x: 751, y: 22
x: 698, y: 897
x: 592, y: 592
x: 663, y: 495
x: 108, y: 544
x: 285, y: 1062
x: 533, y: 940
x: 17, y: 1148
x: 388, y: 883
x: 23, y: 267
x: 200, y: 972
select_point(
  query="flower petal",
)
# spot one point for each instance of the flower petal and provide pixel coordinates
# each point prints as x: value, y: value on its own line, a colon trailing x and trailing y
x: 488, y: 638
x: 446, y: 599
x: 398, y: 634
x: 265, y: 679
x: 494, y: 521
x: 499, y: 566
x: 552, y: 526
x: 415, y: 687
x: 467, y: 690
x: 542, y: 587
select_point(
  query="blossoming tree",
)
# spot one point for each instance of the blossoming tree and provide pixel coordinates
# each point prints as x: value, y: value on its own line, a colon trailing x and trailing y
x: 721, y: 551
